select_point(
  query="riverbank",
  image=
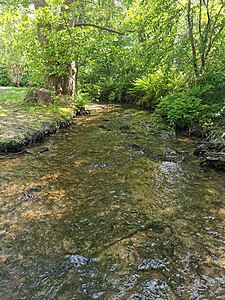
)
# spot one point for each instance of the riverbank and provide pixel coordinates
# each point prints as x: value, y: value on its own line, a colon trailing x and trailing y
x: 212, y: 152
x: 23, y: 123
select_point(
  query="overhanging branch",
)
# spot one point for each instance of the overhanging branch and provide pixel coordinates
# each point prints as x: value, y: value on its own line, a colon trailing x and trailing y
x: 101, y: 27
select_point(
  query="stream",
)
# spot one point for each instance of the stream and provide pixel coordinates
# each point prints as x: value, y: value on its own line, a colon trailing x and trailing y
x: 107, y: 209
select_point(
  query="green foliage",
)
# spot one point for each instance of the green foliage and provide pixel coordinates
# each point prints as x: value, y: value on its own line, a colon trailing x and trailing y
x: 4, y: 78
x: 10, y: 95
x: 93, y: 90
x: 113, y: 67
x: 82, y: 99
x: 12, y: 38
x: 215, y: 78
x: 115, y: 90
x: 149, y: 89
x: 190, y: 109
x: 166, y: 48
x: 30, y: 97
x: 25, y: 80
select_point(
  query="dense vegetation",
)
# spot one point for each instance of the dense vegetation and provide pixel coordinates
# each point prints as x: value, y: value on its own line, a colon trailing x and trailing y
x: 165, y: 55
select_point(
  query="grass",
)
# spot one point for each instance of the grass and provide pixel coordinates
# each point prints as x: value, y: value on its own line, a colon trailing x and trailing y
x: 8, y: 94
x: 13, y: 100
x: 22, y: 119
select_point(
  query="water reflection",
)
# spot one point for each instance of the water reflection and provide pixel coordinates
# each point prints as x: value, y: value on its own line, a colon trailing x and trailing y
x: 111, y: 211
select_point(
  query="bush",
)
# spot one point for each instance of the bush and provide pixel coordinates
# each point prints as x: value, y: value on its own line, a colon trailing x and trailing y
x: 180, y: 110
x: 112, y: 90
x: 25, y: 79
x: 4, y: 78
x: 191, y: 109
x: 82, y: 99
x: 93, y: 90
x: 150, y: 89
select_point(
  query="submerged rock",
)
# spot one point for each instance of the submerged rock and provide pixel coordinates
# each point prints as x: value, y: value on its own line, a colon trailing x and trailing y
x: 45, y: 149
x: 135, y: 146
x: 104, y: 127
x: 79, y: 260
x: 153, y: 263
x: 201, y: 149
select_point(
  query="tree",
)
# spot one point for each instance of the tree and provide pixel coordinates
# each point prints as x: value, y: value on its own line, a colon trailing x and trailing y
x: 13, y: 58
x: 185, y: 35
x: 206, y: 21
x: 63, y: 39
x: 57, y: 32
x: 62, y: 29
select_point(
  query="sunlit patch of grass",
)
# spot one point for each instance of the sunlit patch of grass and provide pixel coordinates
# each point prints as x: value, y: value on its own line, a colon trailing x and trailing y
x: 3, y: 112
x: 14, y: 99
x: 22, y: 119
x: 12, y: 95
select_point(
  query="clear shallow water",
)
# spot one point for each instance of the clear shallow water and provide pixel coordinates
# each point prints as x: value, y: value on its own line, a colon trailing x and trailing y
x: 111, y: 211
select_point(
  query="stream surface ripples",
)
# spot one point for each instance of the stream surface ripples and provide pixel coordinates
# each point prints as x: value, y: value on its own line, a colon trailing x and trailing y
x: 107, y: 209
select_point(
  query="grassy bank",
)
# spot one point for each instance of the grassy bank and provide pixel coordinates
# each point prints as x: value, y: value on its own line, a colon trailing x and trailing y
x: 23, y: 122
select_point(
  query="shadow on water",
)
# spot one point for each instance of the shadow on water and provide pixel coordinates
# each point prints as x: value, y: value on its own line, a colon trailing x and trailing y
x: 111, y: 211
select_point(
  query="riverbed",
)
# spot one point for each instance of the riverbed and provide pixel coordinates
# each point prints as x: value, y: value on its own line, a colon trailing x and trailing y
x: 109, y: 209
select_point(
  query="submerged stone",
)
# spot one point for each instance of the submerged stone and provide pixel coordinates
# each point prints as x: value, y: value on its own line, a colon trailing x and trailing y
x: 79, y: 260
x: 153, y: 263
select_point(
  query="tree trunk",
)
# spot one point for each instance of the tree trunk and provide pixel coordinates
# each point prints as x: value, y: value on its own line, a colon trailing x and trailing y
x: 76, y: 78
x: 67, y: 83
x: 192, y: 40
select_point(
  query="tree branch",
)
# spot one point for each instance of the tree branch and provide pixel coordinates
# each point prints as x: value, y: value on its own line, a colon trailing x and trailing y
x: 200, y: 21
x: 180, y: 4
x: 67, y: 27
x: 101, y: 27
x: 210, y: 31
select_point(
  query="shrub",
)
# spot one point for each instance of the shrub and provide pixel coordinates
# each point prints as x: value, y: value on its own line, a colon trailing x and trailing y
x: 82, y: 99
x: 93, y: 90
x: 25, y: 79
x: 4, y: 78
x: 150, y: 89
x: 191, y: 109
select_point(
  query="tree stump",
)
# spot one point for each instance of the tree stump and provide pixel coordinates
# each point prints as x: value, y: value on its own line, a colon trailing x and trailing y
x: 42, y: 96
